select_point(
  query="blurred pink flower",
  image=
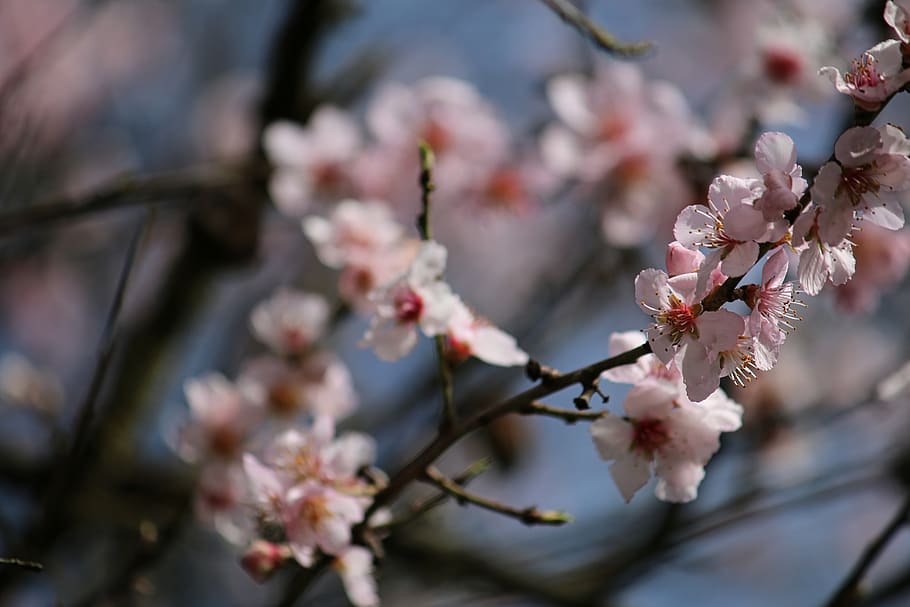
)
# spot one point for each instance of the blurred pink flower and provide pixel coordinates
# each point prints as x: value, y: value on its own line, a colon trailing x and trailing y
x: 290, y: 322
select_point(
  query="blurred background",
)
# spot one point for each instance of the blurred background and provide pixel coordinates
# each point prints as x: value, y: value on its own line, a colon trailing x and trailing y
x: 130, y: 142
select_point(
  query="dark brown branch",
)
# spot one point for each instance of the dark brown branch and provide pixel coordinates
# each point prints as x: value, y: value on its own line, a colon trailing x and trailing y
x: 600, y: 37
x: 567, y: 415
x: 129, y: 191
x: 528, y: 516
x: 849, y: 591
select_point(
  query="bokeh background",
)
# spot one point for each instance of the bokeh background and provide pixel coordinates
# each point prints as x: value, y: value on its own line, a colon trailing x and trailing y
x: 151, y: 112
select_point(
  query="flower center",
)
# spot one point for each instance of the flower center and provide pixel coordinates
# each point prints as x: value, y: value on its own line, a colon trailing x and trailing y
x: 649, y: 435
x: 782, y: 66
x: 680, y: 318
x: 283, y: 398
x: 857, y: 181
x: 864, y: 73
x: 436, y: 136
x: 408, y: 306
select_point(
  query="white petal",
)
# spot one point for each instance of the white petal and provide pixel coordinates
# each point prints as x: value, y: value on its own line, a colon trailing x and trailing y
x: 775, y: 151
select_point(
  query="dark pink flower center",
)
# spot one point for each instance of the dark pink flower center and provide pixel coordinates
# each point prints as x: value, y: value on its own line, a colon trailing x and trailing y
x: 864, y: 73
x: 649, y: 435
x: 782, y: 66
x: 408, y: 306
x: 680, y: 318
x: 857, y: 181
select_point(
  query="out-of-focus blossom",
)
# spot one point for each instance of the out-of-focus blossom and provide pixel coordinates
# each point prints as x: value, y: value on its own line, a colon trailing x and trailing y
x: 308, y: 483
x: 872, y: 163
x: 775, y: 158
x: 290, y: 322
x: 24, y: 384
x: 874, y: 77
x: 355, y: 566
x: 448, y: 114
x: 222, y: 418
x: 666, y: 436
x: 220, y: 501
x: 262, y: 559
x: 419, y: 298
x: 365, y: 241
x: 469, y: 335
x: 313, y: 163
x: 882, y: 261
x: 818, y: 260
x: 318, y: 384
x: 897, y: 15
x: 622, y: 137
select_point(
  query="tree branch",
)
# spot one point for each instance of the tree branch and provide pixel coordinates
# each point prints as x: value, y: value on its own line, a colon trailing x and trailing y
x: 598, y: 36
x: 849, y: 591
x: 528, y: 516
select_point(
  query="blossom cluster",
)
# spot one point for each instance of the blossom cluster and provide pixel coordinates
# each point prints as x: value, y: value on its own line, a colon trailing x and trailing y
x: 308, y: 489
x: 676, y: 409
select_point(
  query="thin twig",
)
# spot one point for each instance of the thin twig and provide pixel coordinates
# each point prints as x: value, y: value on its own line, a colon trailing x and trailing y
x: 849, y: 591
x: 567, y: 415
x: 427, y: 159
x: 22, y: 564
x: 600, y: 37
x: 425, y: 505
x: 528, y: 516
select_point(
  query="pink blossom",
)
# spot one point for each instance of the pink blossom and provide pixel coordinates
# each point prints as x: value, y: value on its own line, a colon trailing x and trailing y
x: 775, y: 158
x: 365, y: 241
x: 355, y: 565
x: 771, y: 304
x: 620, y: 136
x: 219, y: 501
x: 312, y: 164
x: 318, y: 384
x: 319, y: 517
x: 354, y: 231
x: 674, y: 304
x: 666, y: 436
x: 730, y: 226
x: 882, y: 261
x: 469, y: 335
x: 897, y: 15
x: 874, y: 77
x: 290, y: 322
x: 722, y: 348
x: 872, y: 163
x: 419, y: 298
x: 464, y: 131
x: 262, y: 559
x: 818, y: 260
x: 222, y: 417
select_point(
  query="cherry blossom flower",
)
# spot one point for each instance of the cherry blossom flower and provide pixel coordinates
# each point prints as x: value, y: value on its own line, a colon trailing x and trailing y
x: 222, y: 417
x: 722, y: 348
x: 355, y: 565
x: 874, y: 77
x: 366, y: 242
x: 872, y: 163
x: 418, y: 298
x: 262, y: 559
x: 620, y: 136
x: 466, y: 135
x: 775, y: 158
x: 319, y: 517
x: 666, y: 436
x: 469, y: 335
x: 730, y: 226
x: 219, y: 501
x: 897, y: 15
x: 771, y: 304
x: 882, y: 261
x: 674, y: 304
x: 353, y: 231
x: 318, y: 384
x: 818, y: 260
x: 290, y: 322
x: 311, y: 163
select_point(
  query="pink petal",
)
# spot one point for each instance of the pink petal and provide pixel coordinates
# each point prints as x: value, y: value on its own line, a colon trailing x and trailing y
x: 775, y: 151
